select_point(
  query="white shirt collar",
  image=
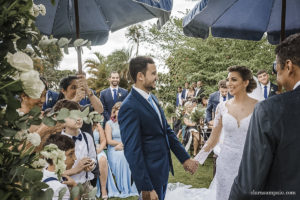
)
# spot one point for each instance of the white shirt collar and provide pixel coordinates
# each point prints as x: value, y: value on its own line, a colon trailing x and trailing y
x: 47, y: 174
x: 64, y: 133
x: 296, y: 85
x: 111, y: 88
x: 142, y: 93
x: 268, y: 85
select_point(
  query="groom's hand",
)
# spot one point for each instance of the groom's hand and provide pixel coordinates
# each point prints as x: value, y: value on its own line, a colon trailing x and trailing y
x: 191, y: 165
x: 149, y: 195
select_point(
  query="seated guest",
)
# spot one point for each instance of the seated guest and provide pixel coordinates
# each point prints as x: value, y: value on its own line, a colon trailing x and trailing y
x: 67, y: 145
x: 116, y: 158
x: 107, y: 186
x: 192, y: 134
x: 268, y: 89
x: 84, y: 147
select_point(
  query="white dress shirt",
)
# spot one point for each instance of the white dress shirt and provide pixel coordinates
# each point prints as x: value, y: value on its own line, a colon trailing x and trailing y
x: 82, y: 151
x: 268, y: 88
x: 146, y: 96
x: 55, y: 185
x: 296, y: 85
x: 221, y: 98
x: 112, y: 91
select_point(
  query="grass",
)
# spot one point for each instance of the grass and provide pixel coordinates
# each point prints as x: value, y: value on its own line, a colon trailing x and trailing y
x: 200, y: 179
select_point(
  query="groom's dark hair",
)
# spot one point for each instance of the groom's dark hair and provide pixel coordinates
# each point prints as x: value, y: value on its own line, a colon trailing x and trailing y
x: 139, y: 64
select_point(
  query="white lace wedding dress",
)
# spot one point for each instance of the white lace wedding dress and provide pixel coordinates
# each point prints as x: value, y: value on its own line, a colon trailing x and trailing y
x: 227, y: 164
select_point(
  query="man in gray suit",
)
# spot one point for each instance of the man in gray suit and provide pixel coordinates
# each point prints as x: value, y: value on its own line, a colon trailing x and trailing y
x: 270, y: 168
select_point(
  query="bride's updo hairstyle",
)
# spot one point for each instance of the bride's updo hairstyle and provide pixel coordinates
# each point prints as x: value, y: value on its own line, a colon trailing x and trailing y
x: 246, y: 74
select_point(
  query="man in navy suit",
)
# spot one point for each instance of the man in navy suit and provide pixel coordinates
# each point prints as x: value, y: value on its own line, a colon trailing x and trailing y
x: 112, y: 95
x: 268, y: 89
x: 146, y: 135
x: 185, y: 91
x: 51, y: 99
x: 214, y: 99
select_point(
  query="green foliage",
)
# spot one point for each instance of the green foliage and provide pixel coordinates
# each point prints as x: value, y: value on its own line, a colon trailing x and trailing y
x: 101, y: 67
x: 191, y: 59
x: 198, y: 114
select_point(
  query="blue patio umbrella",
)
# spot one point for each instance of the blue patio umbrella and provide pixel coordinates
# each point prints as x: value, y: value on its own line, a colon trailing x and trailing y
x: 244, y: 19
x: 94, y: 19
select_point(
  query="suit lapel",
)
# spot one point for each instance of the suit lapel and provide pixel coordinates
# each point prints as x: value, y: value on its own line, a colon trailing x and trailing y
x: 145, y: 103
x: 109, y: 96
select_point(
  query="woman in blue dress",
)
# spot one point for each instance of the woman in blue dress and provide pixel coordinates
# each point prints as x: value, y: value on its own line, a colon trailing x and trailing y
x: 106, y: 186
x: 116, y: 158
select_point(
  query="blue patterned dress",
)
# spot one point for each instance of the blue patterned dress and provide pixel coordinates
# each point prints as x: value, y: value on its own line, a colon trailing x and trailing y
x: 119, y: 165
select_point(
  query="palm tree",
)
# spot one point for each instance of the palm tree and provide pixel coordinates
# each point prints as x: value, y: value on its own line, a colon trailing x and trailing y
x: 98, y: 70
x: 119, y: 61
x: 135, y: 35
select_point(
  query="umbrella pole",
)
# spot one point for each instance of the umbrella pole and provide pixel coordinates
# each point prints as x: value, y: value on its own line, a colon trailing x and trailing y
x: 78, y: 36
x: 283, y: 15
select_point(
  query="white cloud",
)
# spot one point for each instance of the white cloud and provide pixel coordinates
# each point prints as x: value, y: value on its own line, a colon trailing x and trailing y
x: 117, y: 40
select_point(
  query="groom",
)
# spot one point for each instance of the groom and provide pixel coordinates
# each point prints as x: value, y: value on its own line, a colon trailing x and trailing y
x: 146, y: 135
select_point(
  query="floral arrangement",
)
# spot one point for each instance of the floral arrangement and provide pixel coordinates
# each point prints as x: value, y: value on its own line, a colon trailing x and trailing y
x: 197, y: 114
x: 57, y: 156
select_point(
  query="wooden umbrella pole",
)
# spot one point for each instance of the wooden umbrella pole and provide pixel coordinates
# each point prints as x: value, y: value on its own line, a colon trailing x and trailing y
x: 78, y: 36
x: 283, y: 16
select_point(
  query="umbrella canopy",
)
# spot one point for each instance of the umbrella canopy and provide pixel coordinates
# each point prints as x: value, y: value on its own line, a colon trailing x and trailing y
x: 243, y: 19
x: 98, y: 17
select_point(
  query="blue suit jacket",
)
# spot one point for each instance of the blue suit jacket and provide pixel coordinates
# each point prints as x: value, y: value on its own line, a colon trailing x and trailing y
x: 213, y: 101
x: 108, y: 102
x: 85, y: 101
x: 51, y: 100
x: 147, y: 142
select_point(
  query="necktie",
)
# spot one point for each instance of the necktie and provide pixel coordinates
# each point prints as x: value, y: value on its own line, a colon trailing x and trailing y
x: 152, y: 104
x: 224, y: 98
x: 79, y: 137
x: 266, y: 92
x: 115, y: 95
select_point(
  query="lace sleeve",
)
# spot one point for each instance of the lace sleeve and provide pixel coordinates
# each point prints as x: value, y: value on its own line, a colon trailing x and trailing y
x: 218, y: 114
x: 214, y: 136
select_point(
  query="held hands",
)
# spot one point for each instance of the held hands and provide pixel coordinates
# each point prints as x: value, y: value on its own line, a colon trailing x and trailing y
x: 190, y: 165
x: 149, y: 195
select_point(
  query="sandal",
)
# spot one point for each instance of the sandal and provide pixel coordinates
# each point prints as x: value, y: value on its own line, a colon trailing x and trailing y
x: 105, y: 197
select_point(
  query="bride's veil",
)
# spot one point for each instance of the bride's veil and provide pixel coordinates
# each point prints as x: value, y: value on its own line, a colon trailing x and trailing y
x: 257, y: 92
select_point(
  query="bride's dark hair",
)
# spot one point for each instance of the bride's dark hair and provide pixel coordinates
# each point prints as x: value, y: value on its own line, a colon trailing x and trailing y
x: 246, y: 74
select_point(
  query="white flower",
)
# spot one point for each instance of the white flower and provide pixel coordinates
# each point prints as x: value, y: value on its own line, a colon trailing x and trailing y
x: 42, y: 9
x: 21, y: 61
x: 35, y: 11
x: 21, y: 135
x: 58, y: 157
x: 120, y: 94
x: 34, y: 139
x: 32, y: 84
x: 39, y: 163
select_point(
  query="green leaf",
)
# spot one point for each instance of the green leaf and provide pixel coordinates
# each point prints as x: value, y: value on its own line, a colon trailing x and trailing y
x: 61, y: 193
x: 62, y: 114
x: 9, y: 132
x: 49, y: 121
x: 44, y: 195
x: 76, y: 114
x: 85, y: 112
x: 92, y: 194
x: 22, y: 43
x: 75, y: 192
x: 35, y: 111
x: 33, y: 175
x: 66, y: 50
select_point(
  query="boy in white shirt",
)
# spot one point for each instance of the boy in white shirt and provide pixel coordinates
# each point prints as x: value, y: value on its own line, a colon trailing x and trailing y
x: 84, y: 148
x: 67, y: 145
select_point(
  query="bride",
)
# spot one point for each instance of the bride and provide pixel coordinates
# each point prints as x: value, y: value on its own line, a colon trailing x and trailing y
x: 232, y: 118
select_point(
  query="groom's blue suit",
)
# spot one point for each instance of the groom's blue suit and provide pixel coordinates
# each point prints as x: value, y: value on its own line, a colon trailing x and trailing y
x: 147, y: 143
